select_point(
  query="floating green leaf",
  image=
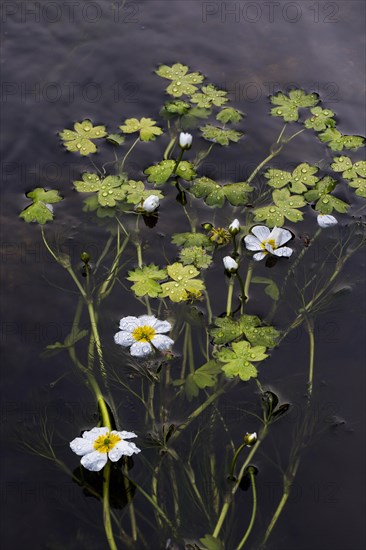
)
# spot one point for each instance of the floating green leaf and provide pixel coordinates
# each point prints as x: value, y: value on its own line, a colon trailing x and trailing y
x: 288, y: 106
x: 229, y: 115
x: 238, y: 360
x: 184, y: 285
x: 183, y: 83
x: 326, y: 202
x: 195, y: 255
x: 160, y: 173
x: 321, y: 119
x: 360, y: 185
x: 116, y: 139
x: 109, y: 189
x: 298, y: 180
x: 337, y: 141
x: 40, y: 210
x: 204, y: 377
x: 146, y: 280
x: 136, y: 192
x: 215, y: 194
x: 145, y: 126
x: 209, y: 96
x: 192, y: 239
x: 285, y: 206
x: 219, y: 135
x: 350, y: 171
x: 80, y: 139
x: 227, y: 330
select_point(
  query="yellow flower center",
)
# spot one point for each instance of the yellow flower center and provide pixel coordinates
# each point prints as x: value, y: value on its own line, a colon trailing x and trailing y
x: 271, y: 243
x: 143, y: 334
x: 105, y: 443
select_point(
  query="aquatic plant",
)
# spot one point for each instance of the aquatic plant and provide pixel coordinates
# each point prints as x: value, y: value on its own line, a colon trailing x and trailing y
x: 209, y: 353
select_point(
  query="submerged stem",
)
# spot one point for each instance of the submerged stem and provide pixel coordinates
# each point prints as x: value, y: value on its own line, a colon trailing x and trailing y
x: 254, y: 510
x: 106, y: 507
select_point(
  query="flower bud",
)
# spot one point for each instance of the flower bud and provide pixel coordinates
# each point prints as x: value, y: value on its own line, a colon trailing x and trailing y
x: 150, y: 204
x: 84, y: 257
x: 326, y: 220
x: 234, y: 227
x: 250, y: 439
x: 185, y: 140
x: 230, y: 264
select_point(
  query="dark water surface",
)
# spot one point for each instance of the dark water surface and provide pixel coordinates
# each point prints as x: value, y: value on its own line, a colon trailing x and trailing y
x: 97, y: 60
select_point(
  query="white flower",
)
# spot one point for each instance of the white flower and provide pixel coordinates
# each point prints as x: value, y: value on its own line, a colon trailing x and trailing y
x: 185, y: 140
x: 234, y: 227
x: 250, y: 439
x: 268, y: 241
x: 143, y: 334
x: 99, y: 444
x: 150, y: 204
x: 326, y: 220
x: 230, y: 264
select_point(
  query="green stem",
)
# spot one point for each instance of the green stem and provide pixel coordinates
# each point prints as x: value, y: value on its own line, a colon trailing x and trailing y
x: 128, y: 152
x: 196, y: 413
x: 169, y: 147
x: 98, y: 345
x: 230, y: 295
x: 254, y: 510
x: 139, y: 254
x: 178, y: 160
x: 131, y: 507
x: 310, y: 329
x: 248, y: 280
x: 235, y: 458
x: 231, y: 495
x: 106, y: 507
x: 281, y: 504
x: 154, y: 504
x: 263, y: 163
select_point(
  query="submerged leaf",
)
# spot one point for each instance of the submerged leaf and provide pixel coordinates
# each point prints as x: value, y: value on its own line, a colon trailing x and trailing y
x: 204, y: 377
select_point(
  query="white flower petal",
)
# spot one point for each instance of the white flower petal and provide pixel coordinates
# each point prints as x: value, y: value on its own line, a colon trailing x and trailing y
x: 141, y: 349
x: 94, y: 461
x: 123, y: 448
x: 259, y: 256
x: 124, y: 338
x: 95, y: 432
x: 252, y: 243
x: 162, y: 326
x: 269, y: 248
x: 326, y: 220
x: 148, y: 320
x: 162, y: 342
x: 124, y: 435
x: 280, y: 236
x: 129, y: 323
x: 150, y: 204
x: 284, y: 251
x: 261, y: 232
x: 81, y: 446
